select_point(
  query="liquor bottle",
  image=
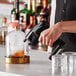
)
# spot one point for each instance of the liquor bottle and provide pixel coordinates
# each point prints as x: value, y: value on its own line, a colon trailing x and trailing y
x: 15, y: 11
x: 45, y: 9
x: 3, y: 30
x: 39, y: 6
x: 33, y: 6
x: 49, y: 1
x: 24, y: 15
x: 30, y: 5
x: 4, y: 21
x: 45, y: 3
x: 31, y: 25
x: 34, y: 10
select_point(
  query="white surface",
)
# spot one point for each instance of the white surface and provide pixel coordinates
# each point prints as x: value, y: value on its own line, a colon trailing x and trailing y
x: 39, y: 64
x: 9, y: 74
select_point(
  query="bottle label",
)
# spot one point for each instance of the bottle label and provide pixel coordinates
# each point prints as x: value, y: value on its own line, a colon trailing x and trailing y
x: 24, y: 15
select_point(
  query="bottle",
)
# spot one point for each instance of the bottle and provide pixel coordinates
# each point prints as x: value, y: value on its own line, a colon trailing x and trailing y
x: 45, y: 3
x: 4, y: 21
x: 39, y: 6
x: 45, y: 9
x: 49, y: 1
x: 34, y: 11
x: 30, y: 5
x: 31, y: 25
x: 24, y: 15
x: 3, y: 30
x: 15, y: 11
x: 33, y: 6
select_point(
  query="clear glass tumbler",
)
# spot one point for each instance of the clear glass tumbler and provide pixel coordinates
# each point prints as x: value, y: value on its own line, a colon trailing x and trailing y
x: 56, y: 64
x: 59, y: 64
x: 70, y: 62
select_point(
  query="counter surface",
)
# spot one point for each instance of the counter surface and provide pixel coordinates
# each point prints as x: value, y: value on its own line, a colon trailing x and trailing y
x: 39, y: 65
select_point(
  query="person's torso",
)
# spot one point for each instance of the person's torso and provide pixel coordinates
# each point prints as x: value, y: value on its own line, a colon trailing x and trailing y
x: 66, y: 11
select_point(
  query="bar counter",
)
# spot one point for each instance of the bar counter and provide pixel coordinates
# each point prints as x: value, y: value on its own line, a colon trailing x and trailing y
x: 39, y: 64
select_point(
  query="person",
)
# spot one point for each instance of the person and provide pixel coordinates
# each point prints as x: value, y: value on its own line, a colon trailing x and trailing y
x: 63, y: 19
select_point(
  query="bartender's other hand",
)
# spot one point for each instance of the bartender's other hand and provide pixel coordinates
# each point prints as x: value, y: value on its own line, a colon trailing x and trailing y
x: 50, y: 35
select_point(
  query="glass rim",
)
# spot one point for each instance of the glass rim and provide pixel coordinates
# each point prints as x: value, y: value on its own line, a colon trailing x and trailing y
x: 69, y: 53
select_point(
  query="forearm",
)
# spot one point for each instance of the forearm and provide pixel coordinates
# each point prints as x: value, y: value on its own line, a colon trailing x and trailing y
x: 50, y: 35
x: 68, y: 26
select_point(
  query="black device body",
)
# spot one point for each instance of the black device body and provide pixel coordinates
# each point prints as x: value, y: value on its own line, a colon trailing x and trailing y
x: 58, y: 44
x: 34, y: 33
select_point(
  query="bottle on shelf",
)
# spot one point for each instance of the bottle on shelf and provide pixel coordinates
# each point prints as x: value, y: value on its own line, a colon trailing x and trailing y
x: 15, y: 11
x: 43, y: 14
x: 3, y: 30
x: 33, y: 6
x: 45, y: 9
x: 30, y: 5
x: 4, y: 21
x: 24, y: 15
x: 31, y: 25
x: 49, y: 1
x: 39, y: 6
x: 44, y: 3
x: 34, y: 11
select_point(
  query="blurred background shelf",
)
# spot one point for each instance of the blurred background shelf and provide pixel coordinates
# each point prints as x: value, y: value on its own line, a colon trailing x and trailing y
x: 5, y: 9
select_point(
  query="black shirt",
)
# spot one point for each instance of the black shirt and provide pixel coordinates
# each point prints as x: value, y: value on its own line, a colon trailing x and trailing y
x: 66, y: 11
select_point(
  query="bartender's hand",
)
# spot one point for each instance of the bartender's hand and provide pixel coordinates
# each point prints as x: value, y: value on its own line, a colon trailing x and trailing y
x: 50, y: 35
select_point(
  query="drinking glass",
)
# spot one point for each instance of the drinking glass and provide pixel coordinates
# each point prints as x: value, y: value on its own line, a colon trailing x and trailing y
x: 56, y: 64
x: 70, y: 62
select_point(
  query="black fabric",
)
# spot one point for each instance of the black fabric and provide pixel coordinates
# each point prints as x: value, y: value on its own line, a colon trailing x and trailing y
x: 66, y: 12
